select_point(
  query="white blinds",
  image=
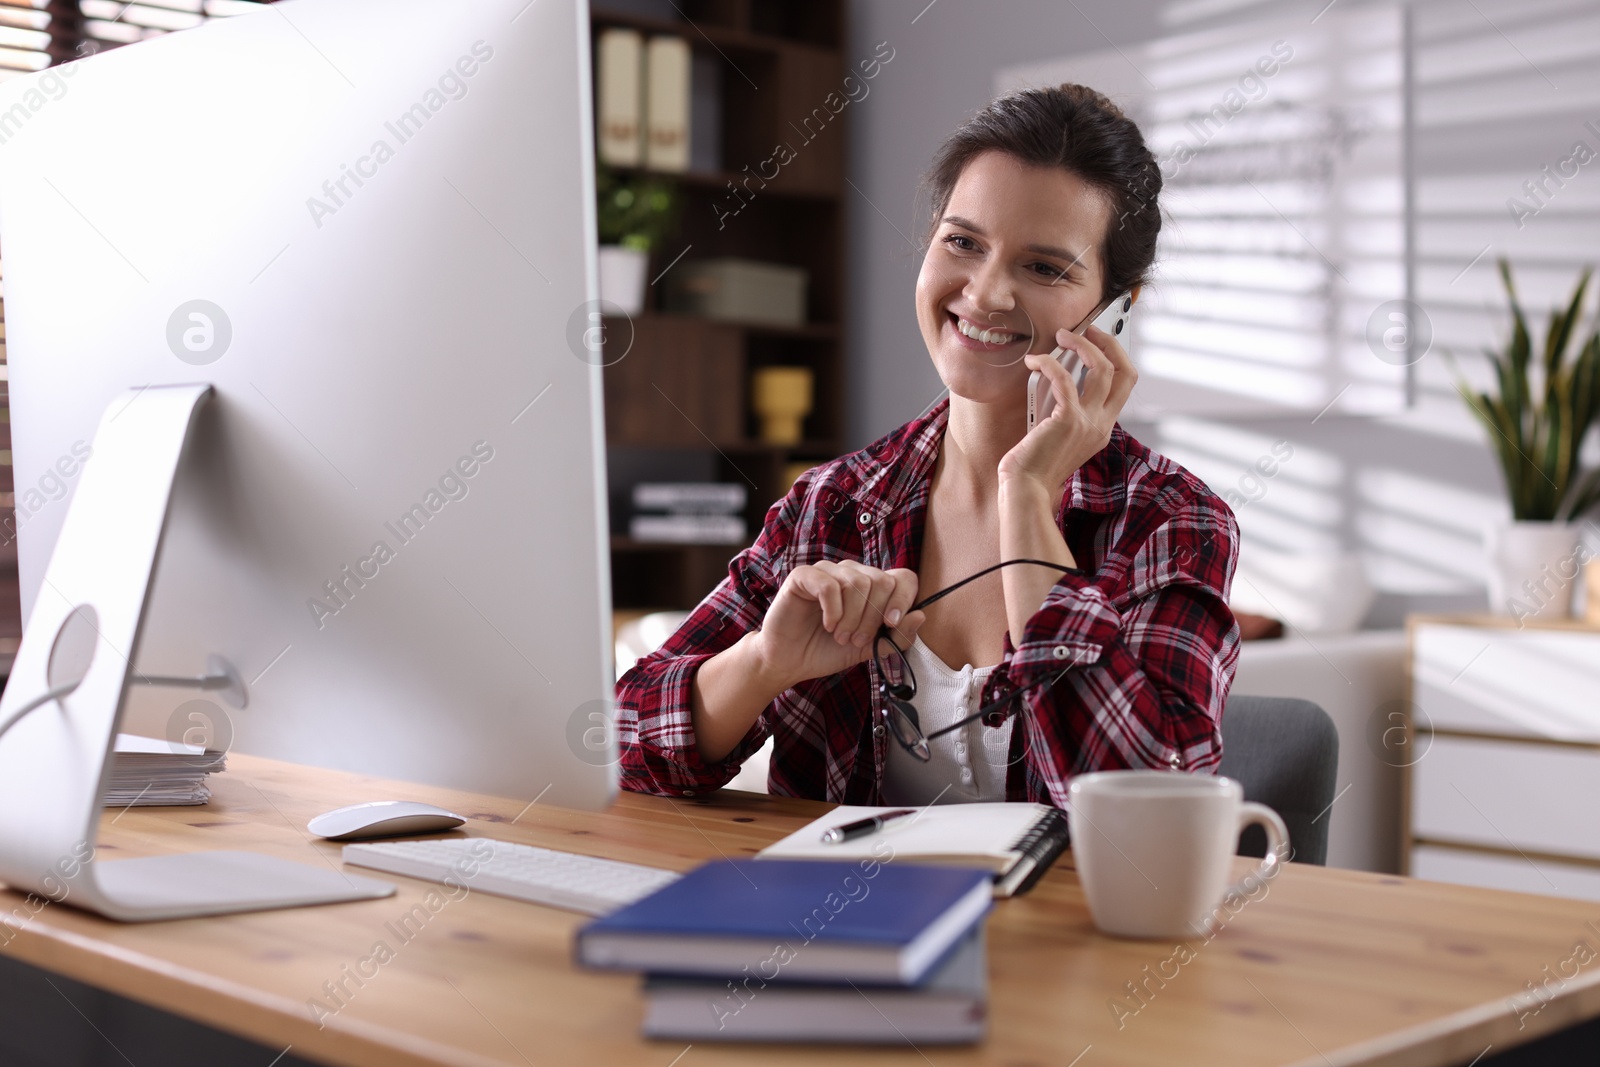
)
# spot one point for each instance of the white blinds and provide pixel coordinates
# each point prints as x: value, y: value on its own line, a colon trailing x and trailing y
x: 1507, y: 108
x: 1282, y: 157
x: 107, y: 23
x: 25, y: 37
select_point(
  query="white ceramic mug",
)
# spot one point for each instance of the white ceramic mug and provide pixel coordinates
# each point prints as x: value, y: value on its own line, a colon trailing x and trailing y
x: 1153, y: 848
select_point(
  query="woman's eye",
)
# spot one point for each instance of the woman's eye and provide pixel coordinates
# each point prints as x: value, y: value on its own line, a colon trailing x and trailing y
x: 1049, y: 270
x: 961, y: 241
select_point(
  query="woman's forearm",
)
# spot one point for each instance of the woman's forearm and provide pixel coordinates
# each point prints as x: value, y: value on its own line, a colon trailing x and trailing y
x: 729, y: 692
x: 1028, y: 531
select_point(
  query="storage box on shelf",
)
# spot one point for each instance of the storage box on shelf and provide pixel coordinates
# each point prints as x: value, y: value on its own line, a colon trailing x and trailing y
x: 683, y: 387
x: 1503, y: 778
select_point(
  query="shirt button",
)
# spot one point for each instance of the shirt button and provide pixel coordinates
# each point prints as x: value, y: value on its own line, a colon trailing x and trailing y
x: 1176, y: 761
x: 1059, y: 652
x: 865, y: 518
x: 878, y: 730
x: 688, y: 792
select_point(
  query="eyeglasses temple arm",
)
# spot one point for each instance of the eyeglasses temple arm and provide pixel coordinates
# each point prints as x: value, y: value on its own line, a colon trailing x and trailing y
x: 980, y: 713
x: 947, y: 590
x: 993, y: 705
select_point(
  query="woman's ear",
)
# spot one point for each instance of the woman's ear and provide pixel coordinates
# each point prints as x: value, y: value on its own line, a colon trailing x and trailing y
x: 1136, y: 291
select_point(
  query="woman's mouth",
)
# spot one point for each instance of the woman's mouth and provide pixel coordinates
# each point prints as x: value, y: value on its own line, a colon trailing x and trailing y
x: 991, y: 339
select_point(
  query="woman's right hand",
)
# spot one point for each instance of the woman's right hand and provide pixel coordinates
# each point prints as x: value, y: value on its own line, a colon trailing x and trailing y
x: 826, y: 616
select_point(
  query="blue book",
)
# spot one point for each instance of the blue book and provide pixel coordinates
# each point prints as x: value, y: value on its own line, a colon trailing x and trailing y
x: 950, y: 1007
x: 867, y: 921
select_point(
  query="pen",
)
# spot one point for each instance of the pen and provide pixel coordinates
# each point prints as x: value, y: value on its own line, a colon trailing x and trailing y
x: 861, y: 827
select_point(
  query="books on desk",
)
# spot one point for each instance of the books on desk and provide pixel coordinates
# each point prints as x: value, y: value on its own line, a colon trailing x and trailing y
x: 1017, y: 842
x: 146, y: 771
x: 951, y: 1006
x: 800, y: 939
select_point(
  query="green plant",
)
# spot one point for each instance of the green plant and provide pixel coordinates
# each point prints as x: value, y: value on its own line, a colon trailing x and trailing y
x: 1539, y: 412
x: 636, y: 211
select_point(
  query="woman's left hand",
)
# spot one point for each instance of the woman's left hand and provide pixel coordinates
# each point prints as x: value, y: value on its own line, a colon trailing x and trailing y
x: 1077, y: 427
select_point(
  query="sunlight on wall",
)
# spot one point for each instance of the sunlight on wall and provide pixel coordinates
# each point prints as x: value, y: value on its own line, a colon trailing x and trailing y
x: 1280, y: 154
x: 1289, y: 230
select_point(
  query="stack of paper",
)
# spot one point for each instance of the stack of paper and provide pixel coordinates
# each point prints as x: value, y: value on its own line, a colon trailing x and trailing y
x: 703, y: 512
x: 146, y: 771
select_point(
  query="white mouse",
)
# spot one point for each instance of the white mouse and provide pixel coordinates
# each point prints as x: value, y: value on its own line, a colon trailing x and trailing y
x: 383, y: 818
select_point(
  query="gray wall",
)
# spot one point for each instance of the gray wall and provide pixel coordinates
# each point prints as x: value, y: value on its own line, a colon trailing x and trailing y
x: 1407, y: 491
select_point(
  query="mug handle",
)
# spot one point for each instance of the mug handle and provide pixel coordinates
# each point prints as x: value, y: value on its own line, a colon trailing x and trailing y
x: 1253, y: 814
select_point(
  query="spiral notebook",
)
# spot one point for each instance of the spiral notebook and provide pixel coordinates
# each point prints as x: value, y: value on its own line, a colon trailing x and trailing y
x: 1017, y: 842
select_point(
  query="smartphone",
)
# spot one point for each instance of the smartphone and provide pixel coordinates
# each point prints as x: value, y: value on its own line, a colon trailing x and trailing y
x: 1113, y: 319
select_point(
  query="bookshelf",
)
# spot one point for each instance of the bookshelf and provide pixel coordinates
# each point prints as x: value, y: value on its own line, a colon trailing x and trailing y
x: 677, y: 405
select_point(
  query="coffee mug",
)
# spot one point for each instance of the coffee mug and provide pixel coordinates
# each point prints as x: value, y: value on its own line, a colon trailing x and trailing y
x: 1153, y: 848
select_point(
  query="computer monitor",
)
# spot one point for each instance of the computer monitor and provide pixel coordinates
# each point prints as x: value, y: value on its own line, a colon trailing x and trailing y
x: 369, y: 226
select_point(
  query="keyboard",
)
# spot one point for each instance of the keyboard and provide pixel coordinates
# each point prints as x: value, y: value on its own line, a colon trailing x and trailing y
x: 523, y: 872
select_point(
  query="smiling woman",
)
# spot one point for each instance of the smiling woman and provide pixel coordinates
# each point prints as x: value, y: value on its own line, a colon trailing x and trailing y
x: 1104, y: 642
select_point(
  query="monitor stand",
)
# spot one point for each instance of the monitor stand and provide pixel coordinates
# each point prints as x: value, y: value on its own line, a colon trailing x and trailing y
x: 61, y: 706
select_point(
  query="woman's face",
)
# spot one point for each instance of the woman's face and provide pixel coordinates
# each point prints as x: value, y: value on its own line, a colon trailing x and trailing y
x: 1016, y: 253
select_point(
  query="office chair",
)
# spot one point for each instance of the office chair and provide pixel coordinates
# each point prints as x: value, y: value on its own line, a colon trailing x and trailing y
x: 1285, y: 752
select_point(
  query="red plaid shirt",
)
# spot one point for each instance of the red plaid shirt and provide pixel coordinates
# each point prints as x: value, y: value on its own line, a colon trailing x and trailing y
x: 1136, y: 653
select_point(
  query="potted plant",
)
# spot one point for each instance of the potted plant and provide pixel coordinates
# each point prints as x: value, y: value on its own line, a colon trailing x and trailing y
x: 634, y: 215
x: 1537, y: 412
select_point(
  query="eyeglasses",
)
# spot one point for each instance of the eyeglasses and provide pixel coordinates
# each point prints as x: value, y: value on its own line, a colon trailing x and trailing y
x: 898, y: 711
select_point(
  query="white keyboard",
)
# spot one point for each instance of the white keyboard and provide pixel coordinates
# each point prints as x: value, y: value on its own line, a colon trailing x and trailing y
x: 537, y: 875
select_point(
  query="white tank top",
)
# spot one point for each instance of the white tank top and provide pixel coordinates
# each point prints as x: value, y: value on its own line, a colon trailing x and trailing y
x: 968, y: 764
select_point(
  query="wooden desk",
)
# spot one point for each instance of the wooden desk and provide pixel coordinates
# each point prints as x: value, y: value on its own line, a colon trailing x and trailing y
x: 1330, y: 967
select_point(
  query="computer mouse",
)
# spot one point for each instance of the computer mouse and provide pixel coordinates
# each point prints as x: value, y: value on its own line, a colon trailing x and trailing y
x: 383, y: 818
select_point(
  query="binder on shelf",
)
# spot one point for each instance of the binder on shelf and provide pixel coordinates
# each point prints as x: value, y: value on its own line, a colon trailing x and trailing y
x: 620, y: 140
x: 667, y: 92
x: 705, y: 113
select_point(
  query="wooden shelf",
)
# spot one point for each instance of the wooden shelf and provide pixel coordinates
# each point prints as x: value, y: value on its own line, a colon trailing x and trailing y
x: 707, y: 36
x: 717, y: 181
x: 624, y: 543
x: 678, y: 402
x: 819, y: 331
x: 803, y: 449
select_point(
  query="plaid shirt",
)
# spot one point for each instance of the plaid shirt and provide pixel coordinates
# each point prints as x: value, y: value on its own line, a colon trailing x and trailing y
x: 1129, y: 661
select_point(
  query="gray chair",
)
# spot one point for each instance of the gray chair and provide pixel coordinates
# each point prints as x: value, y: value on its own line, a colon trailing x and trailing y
x: 1285, y: 752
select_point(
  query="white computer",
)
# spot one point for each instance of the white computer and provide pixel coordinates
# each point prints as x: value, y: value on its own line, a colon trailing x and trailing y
x: 314, y: 286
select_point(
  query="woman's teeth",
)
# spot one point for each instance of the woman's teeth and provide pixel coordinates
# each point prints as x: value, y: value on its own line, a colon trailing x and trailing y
x: 988, y: 337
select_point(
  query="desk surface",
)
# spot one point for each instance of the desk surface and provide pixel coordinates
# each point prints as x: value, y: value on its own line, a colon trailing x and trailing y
x: 1330, y: 968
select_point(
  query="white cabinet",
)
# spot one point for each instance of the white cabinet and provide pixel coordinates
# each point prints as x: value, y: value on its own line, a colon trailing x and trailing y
x: 1503, y: 760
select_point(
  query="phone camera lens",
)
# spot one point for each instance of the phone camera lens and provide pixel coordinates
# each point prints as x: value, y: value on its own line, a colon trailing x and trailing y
x: 1127, y: 305
x: 1119, y: 325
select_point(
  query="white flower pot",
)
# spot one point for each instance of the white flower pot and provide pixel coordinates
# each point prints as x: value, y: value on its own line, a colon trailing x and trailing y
x: 622, y: 277
x: 1533, y: 567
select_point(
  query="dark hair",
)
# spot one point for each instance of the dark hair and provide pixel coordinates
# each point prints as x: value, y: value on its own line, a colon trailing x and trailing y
x: 1080, y: 130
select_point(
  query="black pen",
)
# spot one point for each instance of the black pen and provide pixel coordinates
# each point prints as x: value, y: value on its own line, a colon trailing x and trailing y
x: 862, y: 827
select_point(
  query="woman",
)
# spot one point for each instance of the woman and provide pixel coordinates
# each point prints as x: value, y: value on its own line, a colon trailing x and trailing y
x: 1113, y: 647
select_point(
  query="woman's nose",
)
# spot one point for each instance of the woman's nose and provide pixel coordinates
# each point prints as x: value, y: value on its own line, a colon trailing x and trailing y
x: 989, y: 289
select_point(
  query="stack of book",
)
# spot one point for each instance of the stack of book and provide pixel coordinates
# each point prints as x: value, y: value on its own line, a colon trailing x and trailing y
x: 876, y: 951
x: 146, y: 771
x: 688, y: 512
